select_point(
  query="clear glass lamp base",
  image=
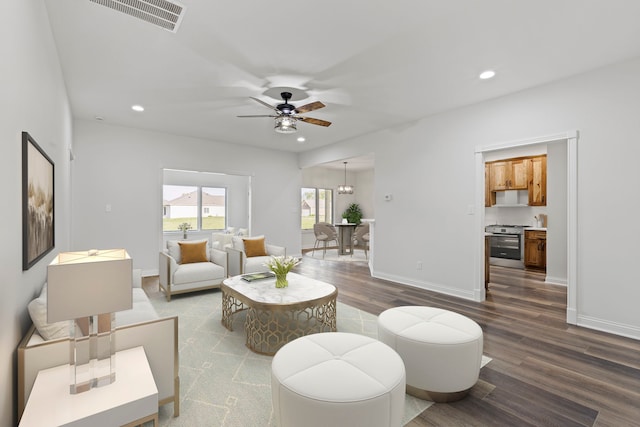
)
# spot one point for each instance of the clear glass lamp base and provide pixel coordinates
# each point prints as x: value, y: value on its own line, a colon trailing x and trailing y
x: 92, y: 361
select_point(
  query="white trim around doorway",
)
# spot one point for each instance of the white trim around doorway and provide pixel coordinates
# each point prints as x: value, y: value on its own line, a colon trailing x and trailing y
x: 571, y: 138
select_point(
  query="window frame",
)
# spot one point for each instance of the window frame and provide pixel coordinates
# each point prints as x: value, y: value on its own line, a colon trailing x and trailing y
x: 199, y: 208
x: 317, y: 199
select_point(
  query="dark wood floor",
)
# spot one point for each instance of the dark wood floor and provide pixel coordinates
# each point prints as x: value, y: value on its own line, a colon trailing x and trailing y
x: 543, y: 373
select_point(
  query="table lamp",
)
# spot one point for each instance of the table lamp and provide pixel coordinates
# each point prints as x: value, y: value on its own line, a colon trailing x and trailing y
x: 89, y: 287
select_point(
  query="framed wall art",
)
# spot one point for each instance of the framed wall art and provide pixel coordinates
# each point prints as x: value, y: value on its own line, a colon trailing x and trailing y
x: 38, y: 231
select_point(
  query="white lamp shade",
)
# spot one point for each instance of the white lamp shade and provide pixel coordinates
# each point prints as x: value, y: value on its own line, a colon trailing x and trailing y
x: 82, y: 284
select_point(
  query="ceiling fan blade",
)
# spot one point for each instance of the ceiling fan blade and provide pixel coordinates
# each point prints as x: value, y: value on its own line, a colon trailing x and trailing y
x: 263, y: 103
x: 310, y: 107
x: 313, y: 121
x: 262, y: 115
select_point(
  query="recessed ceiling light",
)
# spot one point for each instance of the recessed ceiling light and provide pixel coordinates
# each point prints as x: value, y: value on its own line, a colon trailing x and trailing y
x: 99, y: 118
x: 138, y: 108
x: 301, y: 139
x: 485, y: 75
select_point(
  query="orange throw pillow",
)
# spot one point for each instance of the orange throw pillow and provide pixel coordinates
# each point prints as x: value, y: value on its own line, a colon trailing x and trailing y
x: 254, y: 247
x: 193, y: 252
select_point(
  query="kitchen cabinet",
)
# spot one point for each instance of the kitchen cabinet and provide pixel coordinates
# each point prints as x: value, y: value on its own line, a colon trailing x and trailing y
x: 489, y: 196
x: 509, y: 174
x: 537, y: 186
x: 535, y: 249
x: 487, y: 266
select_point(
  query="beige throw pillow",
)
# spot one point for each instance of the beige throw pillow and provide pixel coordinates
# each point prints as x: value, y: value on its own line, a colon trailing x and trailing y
x: 254, y: 247
x: 193, y: 252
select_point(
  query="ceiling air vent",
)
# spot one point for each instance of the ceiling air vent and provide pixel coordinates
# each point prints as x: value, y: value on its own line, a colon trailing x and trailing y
x: 163, y: 13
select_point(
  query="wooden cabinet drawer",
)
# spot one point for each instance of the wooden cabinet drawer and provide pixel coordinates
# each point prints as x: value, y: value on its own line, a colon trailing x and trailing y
x: 535, y: 234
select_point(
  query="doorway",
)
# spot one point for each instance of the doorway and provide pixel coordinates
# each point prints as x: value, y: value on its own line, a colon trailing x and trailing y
x: 566, y: 142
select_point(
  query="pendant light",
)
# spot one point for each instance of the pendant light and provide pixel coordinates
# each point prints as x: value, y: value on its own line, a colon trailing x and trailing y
x: 345, y: 189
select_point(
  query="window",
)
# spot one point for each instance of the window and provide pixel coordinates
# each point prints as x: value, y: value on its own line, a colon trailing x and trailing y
x: 316, y: 206
x: 214, y: 200
x: 202, y: 207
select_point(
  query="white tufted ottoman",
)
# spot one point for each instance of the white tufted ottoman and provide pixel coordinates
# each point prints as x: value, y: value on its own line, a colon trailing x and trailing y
x: 337, y: 379
x: 441, y: 350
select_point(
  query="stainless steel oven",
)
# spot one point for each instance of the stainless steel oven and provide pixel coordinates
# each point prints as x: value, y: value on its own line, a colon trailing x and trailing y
x: 506, y: 245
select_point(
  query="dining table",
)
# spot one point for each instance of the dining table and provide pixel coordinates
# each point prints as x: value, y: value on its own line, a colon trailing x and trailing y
x: 345, y: 234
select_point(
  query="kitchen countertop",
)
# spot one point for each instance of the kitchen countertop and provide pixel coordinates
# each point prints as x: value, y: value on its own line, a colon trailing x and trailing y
x: 536, y: 228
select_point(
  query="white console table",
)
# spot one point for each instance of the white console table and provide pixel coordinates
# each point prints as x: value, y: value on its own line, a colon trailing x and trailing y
x: 129, y: 401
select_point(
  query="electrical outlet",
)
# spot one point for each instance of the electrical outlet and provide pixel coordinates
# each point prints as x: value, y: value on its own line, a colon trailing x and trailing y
x: 419, y: 265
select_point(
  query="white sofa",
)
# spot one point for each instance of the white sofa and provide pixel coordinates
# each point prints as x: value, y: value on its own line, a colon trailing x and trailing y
x: 140, y: 326
x: 240, y: 263
x: 177, y: 278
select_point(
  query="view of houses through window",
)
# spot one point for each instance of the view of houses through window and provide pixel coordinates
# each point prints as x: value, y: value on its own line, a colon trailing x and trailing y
x: 317, y: 206
x: 204, y: 208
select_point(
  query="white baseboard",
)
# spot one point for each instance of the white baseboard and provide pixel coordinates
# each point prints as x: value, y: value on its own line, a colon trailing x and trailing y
x: 555, y: 280
x: 150, y: 273
x: 615, y: 328
x: 429, y: 286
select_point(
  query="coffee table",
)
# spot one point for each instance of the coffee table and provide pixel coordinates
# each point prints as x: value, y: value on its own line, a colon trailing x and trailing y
x: 276, y: 316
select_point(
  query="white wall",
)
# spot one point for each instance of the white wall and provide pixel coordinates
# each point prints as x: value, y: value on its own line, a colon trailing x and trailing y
x: 429, y: 168
x: 364, y: 190
x: 122, y: 167
x: 557, y: 225
x: 34, y: 100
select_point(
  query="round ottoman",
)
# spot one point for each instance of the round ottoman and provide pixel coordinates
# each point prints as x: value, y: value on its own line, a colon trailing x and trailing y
x: 337, y: 379
x: 441, y: 350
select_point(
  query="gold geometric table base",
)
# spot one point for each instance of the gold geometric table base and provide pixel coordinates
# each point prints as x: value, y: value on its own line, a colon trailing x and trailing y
x: 270, y: 326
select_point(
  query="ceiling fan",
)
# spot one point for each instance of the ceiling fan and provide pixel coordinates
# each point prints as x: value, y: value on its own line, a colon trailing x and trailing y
x: 287, y: 115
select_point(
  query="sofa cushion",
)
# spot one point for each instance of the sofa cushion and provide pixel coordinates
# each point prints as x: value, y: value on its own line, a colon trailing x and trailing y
x: 197, y: 272
x: 254, y: 247
x: 38, y: 312
x: 141, y: 311
x: 193, y: 252
x: 237, y: 243
x: 256, y: 264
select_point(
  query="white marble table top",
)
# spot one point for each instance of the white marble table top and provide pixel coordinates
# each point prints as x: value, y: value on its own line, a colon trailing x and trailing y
x: 300, y: 289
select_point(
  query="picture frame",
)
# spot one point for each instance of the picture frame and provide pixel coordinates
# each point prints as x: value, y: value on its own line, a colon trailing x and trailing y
x: 38, y: 202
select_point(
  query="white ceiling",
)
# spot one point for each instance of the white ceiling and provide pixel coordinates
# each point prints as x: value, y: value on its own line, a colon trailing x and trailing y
x: 374, y: 64
x: 354, y: 164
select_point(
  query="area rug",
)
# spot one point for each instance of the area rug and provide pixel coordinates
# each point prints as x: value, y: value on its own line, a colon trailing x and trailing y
x: 222, y: 382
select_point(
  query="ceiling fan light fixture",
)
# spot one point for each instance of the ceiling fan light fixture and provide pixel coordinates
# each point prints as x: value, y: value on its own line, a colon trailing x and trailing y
x: 285, y: 124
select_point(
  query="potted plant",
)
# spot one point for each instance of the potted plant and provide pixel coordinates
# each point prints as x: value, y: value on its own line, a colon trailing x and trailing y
x: 353, y: 214
x: 184, y: 227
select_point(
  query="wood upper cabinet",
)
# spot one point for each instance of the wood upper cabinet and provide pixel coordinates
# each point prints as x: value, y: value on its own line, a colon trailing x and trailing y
x: 519, y: 177
x: 535, y: 249
x: 489, y: 196
x: 526, y: 173
x: 537, y: 185
x: 509, y: 175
